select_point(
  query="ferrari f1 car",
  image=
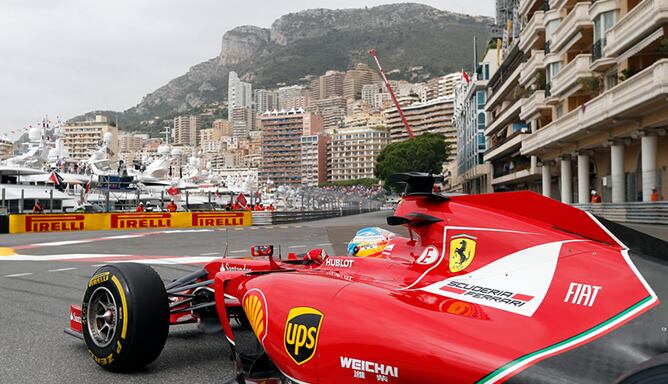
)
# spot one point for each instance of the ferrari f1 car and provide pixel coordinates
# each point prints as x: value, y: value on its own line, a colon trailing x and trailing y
x: 509, y: 287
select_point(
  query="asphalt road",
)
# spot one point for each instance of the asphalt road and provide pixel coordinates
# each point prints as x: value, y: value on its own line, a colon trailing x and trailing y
x: 35, y: 295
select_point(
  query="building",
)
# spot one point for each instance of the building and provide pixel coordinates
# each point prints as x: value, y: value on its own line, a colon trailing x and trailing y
x: 355, y: 79
x: 470, y: 121
x: 597, y: 110
x: 294, y: 96
x: 239, y: 95
x: 333, y: 110
x: 265, y: 100
x: 81, y: 138
x: 186, y: 130
x: 209, y: 140
x: 327, y: 86
x: 354, y: 149
x: 446, y: 84
x: 243, y: 121
x: 224, y: 126
x: 314, y: 159
x: 6, y: 148
x: 131, y: 142
x: 433, y: 116
x: 280, y: 144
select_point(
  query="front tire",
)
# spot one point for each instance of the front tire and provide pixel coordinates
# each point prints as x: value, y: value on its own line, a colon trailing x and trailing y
x: 125, y: 316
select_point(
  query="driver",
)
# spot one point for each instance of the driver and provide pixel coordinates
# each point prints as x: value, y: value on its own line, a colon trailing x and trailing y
x: 370, y: 242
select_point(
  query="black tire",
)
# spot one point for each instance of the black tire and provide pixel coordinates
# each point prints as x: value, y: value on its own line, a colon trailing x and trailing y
x: 653, y: 371
x: 129, y: 316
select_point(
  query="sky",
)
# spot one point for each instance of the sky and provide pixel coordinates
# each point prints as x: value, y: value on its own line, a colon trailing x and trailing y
x: 67, y: 57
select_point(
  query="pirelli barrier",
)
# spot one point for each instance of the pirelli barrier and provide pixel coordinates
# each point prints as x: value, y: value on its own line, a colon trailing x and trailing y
x: 125, y: 221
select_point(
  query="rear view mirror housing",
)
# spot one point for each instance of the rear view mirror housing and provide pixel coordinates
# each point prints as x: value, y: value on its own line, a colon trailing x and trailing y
x: 262, y: 250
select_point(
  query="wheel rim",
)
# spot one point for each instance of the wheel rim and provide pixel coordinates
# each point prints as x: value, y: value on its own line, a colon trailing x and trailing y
x: 101, y: 315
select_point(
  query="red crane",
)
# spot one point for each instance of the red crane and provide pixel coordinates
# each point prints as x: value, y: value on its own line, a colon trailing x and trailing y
x: 374, y: 54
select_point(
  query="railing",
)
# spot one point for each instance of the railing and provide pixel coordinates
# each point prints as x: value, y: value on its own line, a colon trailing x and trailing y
x: 548, y: 89
x: 597, y: 49
x: 636, y: 212
x: 285, y: 217
x: 547, y: 47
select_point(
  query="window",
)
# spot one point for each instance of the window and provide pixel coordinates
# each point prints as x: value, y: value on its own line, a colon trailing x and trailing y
x: 481, y: 120
x: 482, y: 96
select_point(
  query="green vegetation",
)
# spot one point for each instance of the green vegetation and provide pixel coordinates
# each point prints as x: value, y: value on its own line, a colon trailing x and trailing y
x: 426, y: 153
x: 592, y: 85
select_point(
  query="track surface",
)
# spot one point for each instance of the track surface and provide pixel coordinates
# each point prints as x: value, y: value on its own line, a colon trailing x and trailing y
x: 35, y: 295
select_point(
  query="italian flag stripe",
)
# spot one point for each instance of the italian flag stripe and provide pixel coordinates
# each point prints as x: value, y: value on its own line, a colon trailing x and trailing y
x: 521, y: 361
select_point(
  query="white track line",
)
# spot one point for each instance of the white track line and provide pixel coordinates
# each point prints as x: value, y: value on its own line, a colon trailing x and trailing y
x: 239, y: 251
x: 296, y: 246
x: 209, y: 254
x: 19, y: 275
x: 61, y: 269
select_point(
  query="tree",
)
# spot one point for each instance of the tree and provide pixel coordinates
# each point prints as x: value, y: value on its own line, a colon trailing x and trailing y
x: 426, y: 153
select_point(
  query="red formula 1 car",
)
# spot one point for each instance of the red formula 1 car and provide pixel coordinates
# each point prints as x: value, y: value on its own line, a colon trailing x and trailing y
x: 508, y: 287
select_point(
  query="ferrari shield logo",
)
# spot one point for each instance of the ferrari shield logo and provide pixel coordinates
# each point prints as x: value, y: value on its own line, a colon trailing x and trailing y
x: 462, y: 252
x: 301, y: 333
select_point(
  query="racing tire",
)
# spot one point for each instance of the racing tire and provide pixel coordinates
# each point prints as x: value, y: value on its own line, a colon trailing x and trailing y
x: 653, y: 371
x: 125, y: 316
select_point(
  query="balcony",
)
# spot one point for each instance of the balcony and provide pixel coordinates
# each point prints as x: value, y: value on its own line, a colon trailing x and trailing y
x: 527, y: 174
x: 643, y: 20
x: 511, y: 144
x: 599, y: 62
x: 532, y: 30
x: 532, y: 105
x: 508, y: 116
x: 525, y: 6
x: 502, y: 91
x: 570, y: 74
x: 646, y: 91
x: 535, y: 62
x: 557, y: 4
x: 576, y: 20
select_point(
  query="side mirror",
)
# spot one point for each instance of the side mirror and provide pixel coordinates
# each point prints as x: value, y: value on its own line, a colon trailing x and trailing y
x: 262, y: 250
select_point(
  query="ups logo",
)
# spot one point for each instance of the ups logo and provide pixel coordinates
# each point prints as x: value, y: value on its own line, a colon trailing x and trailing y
x: 301, y: 333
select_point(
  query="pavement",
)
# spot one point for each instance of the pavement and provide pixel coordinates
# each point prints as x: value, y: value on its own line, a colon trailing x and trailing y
x: 42, y: 274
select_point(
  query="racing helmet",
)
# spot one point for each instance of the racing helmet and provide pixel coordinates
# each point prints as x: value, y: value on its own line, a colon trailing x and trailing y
x: 370, y: 242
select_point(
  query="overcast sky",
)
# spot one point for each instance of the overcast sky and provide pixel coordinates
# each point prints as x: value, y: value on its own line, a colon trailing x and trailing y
x: 67, y: 57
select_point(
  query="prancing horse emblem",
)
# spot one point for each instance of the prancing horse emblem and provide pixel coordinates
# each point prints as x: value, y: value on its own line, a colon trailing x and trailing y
x: 462, y: 252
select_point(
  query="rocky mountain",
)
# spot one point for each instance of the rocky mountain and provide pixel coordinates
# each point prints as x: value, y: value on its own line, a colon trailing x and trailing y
x: 314, y: 41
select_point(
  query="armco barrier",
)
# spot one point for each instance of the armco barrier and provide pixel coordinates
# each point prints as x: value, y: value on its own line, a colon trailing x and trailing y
x: 633, y: 212
x: 125, y: 220
x: 285, y: 217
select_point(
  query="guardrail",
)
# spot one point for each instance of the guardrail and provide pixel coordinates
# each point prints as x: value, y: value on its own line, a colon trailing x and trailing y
x: 285, y: 217
x: 633, y: 212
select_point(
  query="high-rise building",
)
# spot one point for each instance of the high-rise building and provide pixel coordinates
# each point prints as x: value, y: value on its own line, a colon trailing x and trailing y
x: 355, y: 79
x: 332, y: 110
x: 281, y: 144
x: 209, y: 140
x: 446, y: 84
x: 224, y: 126
x: 328, y: 85
x: 265, y: 100
x: 239, y: 94
x: 354, y: 148
x: 592, y: 94
x: 314, y: 159
x: 83, y: 137
x: 470, y: 120
x: 186, y: 130
x: 294, y: 96
x: 131, y: 142
x: 242, y: 121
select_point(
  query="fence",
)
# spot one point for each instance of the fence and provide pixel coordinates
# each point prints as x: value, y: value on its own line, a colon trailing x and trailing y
x: 285, y: 217
x: 633, y: 212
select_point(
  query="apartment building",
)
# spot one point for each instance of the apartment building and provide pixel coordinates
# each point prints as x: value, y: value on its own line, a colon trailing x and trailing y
x: 292, y: 97
x: 314, y: 159
x: 243, y: 121
x: 239, y: 94
x: 433, y: 116
x: 356, y: 78
x: 328, y: 85
x: 131, y: 142
x: 332, y: 109
x: 209, y: 140
x: 81, y: 138
x: 224, y: 126
x: 470, y: 121
x: 280, y: 144
x: 185, y: 131
x: 600, y: 121
x: 354, y: 148
x: 264, y: 100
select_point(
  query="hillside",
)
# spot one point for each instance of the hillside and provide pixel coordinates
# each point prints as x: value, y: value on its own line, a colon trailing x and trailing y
x: 312, y: 42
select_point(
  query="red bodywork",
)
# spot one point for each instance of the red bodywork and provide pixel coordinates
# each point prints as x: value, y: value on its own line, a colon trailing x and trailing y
x: 485, y: 287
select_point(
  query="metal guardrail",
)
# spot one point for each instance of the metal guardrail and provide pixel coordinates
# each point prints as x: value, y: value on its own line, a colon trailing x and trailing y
x: 633, y: 212
x: 285, y: 217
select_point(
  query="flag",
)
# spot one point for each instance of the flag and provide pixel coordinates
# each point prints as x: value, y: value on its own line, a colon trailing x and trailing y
x: 241, y: 200
x: 57, y: 181
x: 466, y: 76
x: 173, y: 191
x: 87, y: 190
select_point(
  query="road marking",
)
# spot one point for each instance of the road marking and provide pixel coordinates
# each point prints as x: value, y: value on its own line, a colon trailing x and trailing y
x: 296, y: 246
x: 98, y: 265
x: 238, y: 229
x: 6, y: 251
x: 19, y: 275
x: 284, y: 226
x: 123, y: 237
x: 297, y: 226
x: 59, y: 257
x: 209, y: 254
x: 323, y: 244
x: 171, y: 260
x: 61, y: 269
x: 239, y: 251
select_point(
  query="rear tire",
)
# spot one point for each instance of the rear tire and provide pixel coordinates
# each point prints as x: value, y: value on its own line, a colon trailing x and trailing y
x: 125, y: 316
